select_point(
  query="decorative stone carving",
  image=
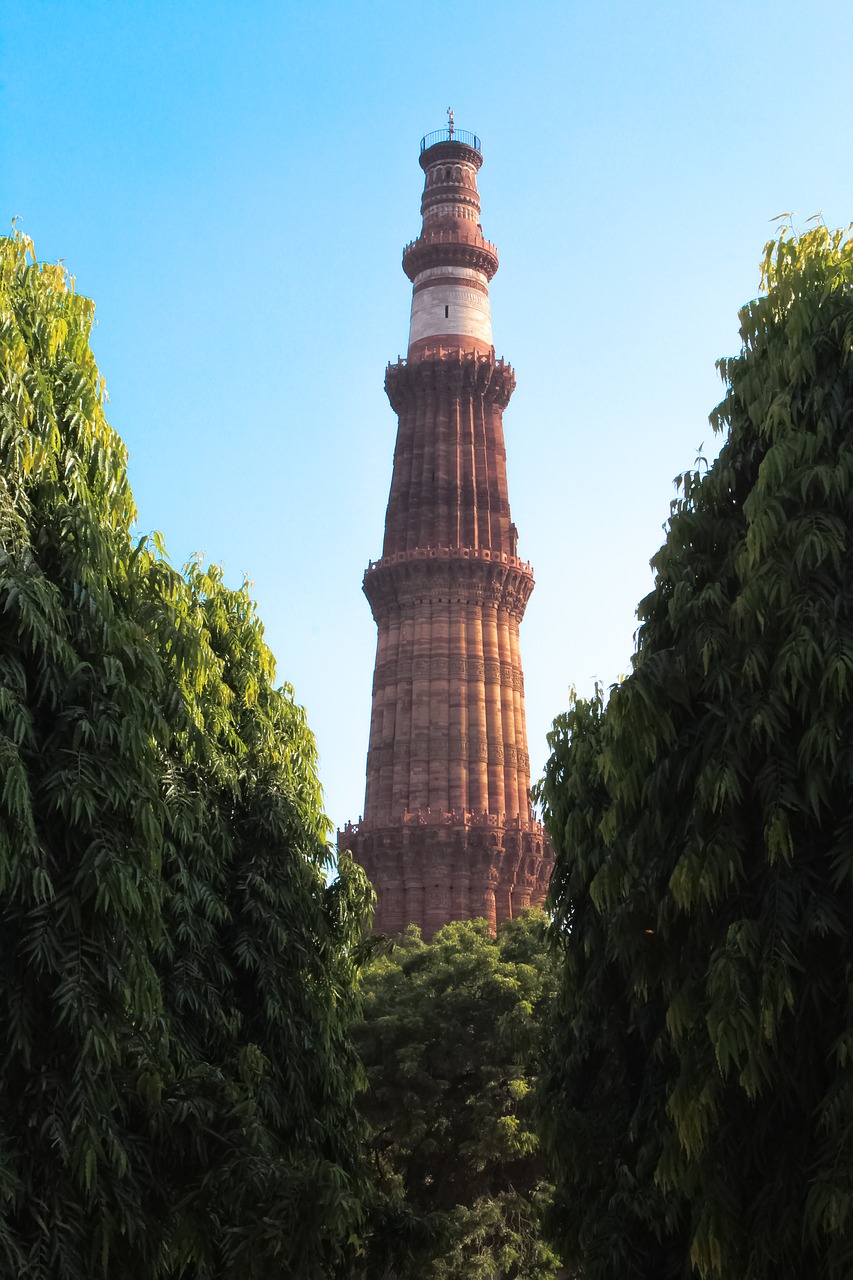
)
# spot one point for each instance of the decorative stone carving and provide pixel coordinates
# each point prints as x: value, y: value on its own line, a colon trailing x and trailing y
x: 447, y: 831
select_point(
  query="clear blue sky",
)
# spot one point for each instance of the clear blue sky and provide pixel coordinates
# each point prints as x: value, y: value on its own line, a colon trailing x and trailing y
x: 233, y: 185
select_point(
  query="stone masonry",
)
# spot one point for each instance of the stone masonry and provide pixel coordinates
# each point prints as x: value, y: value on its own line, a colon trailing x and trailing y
x: 448, y: 832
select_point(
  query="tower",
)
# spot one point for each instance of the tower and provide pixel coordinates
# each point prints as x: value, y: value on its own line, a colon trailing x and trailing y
x: 448, y: 832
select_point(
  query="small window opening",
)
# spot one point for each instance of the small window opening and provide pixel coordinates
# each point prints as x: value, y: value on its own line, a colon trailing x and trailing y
x: 446, y: 312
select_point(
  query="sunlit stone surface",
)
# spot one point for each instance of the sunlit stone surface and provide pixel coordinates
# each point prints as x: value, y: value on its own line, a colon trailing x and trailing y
x: 447, y: 832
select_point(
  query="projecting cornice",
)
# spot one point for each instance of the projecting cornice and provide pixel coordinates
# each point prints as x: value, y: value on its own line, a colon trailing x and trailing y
x: 450, y: 248
x: 448, y: 830
x: 467, y: 373
x: 464, y: 575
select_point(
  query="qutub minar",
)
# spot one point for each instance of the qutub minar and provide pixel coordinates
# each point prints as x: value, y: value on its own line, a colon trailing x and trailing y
x: 448, y: 832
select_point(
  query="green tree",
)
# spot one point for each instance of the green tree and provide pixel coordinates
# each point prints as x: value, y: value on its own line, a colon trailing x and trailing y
x: 451, y: 1039
x: 176, y: 1077
x: 699, y: 1099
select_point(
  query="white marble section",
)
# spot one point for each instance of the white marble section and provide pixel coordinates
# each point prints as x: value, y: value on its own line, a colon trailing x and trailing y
x: 452, y: 305
x: 453, y: 273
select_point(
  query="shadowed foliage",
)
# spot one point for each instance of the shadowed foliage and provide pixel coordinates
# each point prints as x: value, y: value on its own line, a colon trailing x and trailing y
x: 699, y: 1100
x: 451, y: 1042
x: 177, y: 1082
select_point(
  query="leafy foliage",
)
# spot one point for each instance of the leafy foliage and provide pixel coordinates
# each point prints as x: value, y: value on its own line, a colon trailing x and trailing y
x: 451, y: 1041
x: 177, y: 1082
x: 700, y: 1094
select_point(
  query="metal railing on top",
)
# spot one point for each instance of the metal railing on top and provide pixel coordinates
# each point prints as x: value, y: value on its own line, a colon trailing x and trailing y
x: 450, y: 135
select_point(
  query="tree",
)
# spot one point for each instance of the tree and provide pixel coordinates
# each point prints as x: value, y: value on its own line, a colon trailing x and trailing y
x: 699, y: 1111
x: 176, y: 1076
x: 451, y: 1039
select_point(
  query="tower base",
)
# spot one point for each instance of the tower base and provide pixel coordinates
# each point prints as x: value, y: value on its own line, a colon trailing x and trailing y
x: 434, y: 867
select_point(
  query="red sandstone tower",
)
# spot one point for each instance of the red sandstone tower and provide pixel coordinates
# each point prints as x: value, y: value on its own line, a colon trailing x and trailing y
x: 448, y: 832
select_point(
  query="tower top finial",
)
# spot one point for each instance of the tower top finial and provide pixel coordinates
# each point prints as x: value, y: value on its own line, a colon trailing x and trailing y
x: 450, y: 121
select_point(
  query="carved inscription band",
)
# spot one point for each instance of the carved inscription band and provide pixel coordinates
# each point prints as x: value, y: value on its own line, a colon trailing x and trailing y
x: 438, y: 746
x: 395, y: 671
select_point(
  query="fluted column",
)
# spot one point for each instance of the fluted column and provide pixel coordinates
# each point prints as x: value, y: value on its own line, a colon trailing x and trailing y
x: 483, y: 900
x: 384, y: 791
x: 520, y: 722
x: 510, y: 737
x: 460, y: 901
x: 494, y: 717
x: 391, y: 907
x: 421, y: 709
x: 439, y: 697
x: 457, y: 705
x: 447, y: 832
x: 403, y: 719
x: 503, y: 901
x: 478, y: 770
x: 415, y: 900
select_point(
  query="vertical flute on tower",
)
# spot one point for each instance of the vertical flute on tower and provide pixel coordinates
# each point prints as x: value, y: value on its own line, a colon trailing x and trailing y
x: 448, y: 832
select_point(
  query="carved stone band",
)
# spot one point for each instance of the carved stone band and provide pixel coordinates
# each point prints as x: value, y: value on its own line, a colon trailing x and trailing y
x: 458, y: 670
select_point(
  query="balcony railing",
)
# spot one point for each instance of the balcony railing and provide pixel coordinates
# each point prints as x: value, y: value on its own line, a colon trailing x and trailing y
x: 451, y: 553
x: 474, y: 238
x: 450, y: 135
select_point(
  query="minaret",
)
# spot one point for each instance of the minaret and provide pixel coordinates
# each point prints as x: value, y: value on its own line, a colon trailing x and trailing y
x: 448, y: 832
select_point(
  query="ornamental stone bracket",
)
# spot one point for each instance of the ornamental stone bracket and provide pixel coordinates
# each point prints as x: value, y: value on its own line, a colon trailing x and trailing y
x: 464, y: 249
x: 461, y: 574
x: 459, y: 373
x: 448, y: 722
x: 486, y: 865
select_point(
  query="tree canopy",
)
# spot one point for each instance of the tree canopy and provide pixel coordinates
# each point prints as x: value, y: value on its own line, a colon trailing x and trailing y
x: 451, y: 1041
x: 700, y: 1095
x: 176, y: 1074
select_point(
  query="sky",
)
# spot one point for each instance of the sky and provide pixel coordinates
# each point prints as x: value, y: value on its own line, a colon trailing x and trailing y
x: 233, y: 185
